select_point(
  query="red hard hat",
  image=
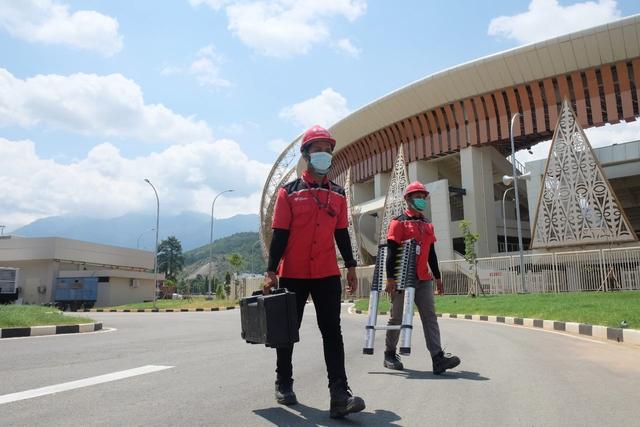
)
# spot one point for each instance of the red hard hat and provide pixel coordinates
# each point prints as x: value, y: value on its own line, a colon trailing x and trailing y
x: 415, y: 187
x: 316, y: 133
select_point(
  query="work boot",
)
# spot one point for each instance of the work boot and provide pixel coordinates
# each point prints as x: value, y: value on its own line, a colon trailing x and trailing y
x: 442, y: 362
x: 343, y: 402
x: 284, y: 393
x: 392, y: 361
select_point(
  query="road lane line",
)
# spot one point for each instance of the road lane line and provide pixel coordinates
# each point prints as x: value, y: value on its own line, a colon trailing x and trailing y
x: 86, y: 382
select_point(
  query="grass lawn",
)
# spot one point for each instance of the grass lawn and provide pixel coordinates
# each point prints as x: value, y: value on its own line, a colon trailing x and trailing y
x: 18, y: 316
x: 595, y: 308
x: 195, y: 302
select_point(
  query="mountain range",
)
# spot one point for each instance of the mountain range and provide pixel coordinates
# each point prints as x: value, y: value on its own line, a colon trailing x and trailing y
x: 134, y: 230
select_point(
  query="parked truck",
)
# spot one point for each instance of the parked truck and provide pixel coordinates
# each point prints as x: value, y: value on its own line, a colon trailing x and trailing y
x: 73, y: 293
x: 9, y: 289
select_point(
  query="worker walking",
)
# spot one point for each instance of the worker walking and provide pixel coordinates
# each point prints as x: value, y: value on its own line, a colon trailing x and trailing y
x: 412, y: 224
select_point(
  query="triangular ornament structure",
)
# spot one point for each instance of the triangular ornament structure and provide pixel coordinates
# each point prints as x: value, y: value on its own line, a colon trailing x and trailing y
x: 577, y: 205
x: 353, y: 233
x: 394, y: 201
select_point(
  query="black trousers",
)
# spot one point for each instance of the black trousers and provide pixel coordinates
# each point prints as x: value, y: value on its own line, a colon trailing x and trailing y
x: 326, y: 295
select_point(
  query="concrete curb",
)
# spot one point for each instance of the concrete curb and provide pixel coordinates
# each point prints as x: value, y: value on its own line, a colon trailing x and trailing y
x: 601, y: 333
x: 36, y: 331
x: 156, y: 310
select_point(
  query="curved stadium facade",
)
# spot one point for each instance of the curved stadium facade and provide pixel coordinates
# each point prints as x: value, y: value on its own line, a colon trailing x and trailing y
x: 454, y: 130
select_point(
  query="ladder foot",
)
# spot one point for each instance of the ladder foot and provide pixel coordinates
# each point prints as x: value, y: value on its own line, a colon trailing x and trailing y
x: 405, y: 351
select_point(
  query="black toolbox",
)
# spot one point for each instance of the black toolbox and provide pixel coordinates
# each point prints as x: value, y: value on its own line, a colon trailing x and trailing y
x: 271, y: 320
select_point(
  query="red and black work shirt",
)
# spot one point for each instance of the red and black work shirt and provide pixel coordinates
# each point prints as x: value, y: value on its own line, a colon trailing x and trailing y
x: 405, y: 227
x: 311, y: 212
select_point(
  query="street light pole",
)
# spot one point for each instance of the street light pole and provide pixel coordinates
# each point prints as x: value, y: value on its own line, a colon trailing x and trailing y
x: 155, y: 252
x: 141, y: 234
x: 515, y: 185
x: 213, y: 204
x: 504, y: 218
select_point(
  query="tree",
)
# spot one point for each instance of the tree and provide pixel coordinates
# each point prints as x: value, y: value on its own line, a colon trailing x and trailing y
x: 236, y: 261
x: 227, y: 283
x: 170, y: 259
x: 470, y: 256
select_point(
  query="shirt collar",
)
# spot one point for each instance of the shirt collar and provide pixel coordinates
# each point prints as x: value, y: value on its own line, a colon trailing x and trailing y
x: 410, y: 214
x: 306, y: 175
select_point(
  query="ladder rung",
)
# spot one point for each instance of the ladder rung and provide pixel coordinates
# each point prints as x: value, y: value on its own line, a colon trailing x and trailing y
x: 387, y: 327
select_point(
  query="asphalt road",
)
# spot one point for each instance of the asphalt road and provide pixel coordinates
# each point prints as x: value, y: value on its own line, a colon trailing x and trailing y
x: 508, y: 376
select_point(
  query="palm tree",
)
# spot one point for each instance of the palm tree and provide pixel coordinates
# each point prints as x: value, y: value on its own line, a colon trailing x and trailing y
x: 170, y: 259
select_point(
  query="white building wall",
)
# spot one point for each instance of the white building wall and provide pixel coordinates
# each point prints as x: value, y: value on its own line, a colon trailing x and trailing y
x: 124, y: 291
x: 35, y: 280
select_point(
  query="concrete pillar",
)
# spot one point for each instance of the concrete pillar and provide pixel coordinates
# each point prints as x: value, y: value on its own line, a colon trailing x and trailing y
x: 381, y: 184
x: 479, y: 204
x: 422, y: 171
x: 440, y: 216
x: 362, y: 191
x: 534, y: 187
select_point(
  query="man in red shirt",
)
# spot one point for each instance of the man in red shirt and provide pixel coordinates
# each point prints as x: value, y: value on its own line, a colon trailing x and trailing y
x: 413, y: 225
x: 310, y: 214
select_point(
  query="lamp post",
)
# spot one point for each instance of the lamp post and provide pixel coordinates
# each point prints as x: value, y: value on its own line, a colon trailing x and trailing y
x: 141, y: 234
x: 504, y: 217
x: 515, y: 184
x: 155, y: 251
x: 213, y: 204
x: 252, y: 247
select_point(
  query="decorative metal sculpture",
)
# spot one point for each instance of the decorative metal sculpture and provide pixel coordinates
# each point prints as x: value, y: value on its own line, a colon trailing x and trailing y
x: 353, y: 233
x: 394, y: 201
x: 281, y: 172
x: 577, y: 205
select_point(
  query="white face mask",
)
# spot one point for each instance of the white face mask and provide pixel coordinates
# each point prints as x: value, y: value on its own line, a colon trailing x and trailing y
x: 320, y: 162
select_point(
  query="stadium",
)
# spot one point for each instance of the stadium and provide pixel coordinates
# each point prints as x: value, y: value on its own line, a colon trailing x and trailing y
x: 453, y: 131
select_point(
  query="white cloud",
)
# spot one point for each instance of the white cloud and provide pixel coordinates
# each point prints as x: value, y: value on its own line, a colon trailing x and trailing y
x: 105, y: 184
x: 324, y: 109
x: 348, y: 47
x: 50, y: 22
x: 283, y: 28
x: 546, y: 19
x: 206, y: 68
x: 213, y: 4
x: 104, y: 106
x: 598, y: 137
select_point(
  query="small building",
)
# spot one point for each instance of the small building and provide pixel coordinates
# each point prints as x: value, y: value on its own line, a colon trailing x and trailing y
x: 124, y: 275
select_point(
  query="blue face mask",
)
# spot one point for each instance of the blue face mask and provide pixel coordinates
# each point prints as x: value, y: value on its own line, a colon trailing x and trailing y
x: 320, y: 162
x: 419, y: 204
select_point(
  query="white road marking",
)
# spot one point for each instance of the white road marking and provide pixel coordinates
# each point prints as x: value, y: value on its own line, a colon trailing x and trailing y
x: 37, y: 392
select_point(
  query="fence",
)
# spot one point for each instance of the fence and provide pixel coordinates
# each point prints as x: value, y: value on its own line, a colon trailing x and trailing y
x: 577, y: 271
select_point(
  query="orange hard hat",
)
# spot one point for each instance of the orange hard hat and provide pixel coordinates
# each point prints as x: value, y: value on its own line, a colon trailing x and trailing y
x: 415, y: 187
x: 316, y: 133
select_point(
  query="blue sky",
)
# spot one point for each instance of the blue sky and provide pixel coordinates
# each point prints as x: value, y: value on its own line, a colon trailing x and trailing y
x: 199, y: 95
